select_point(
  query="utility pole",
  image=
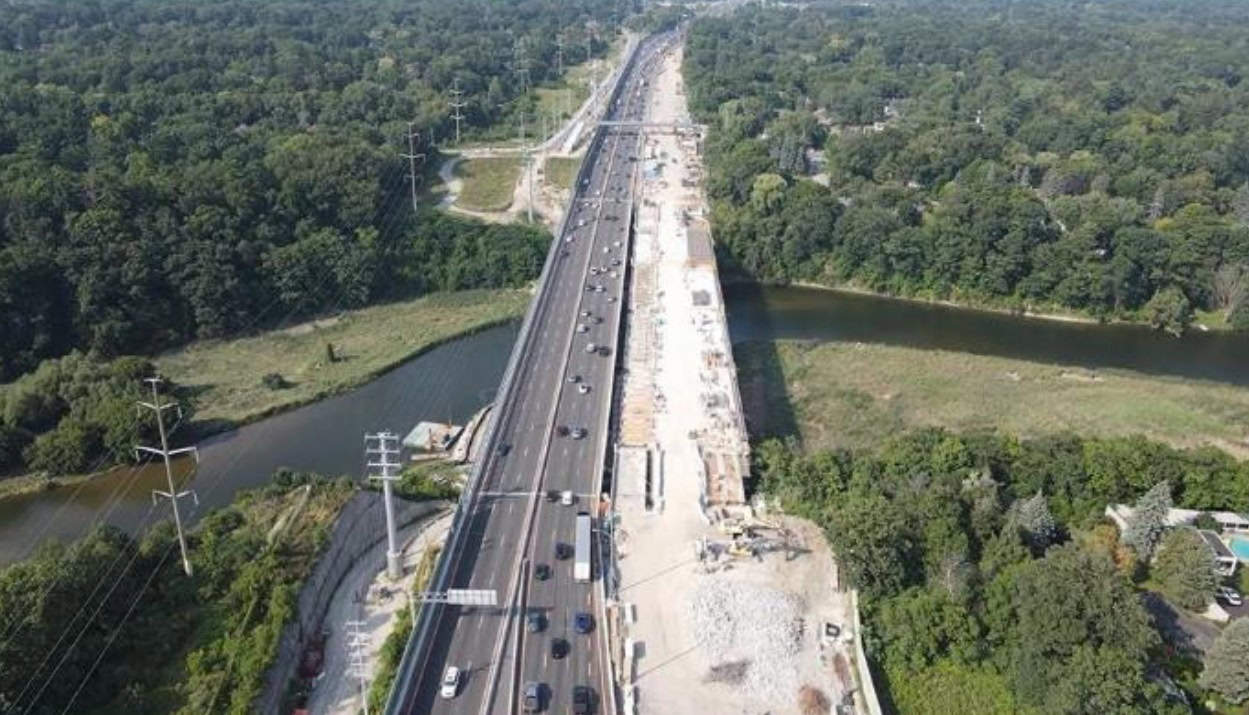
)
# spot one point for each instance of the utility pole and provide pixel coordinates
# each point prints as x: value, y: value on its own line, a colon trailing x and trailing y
x: 173, y: 495
x: 412, y: 158
x: 589, y: 44
x: 456, y: 105
x: 559, y: 55
x: 385, y: 470
x: 528, y: 162
x: 357, y: 653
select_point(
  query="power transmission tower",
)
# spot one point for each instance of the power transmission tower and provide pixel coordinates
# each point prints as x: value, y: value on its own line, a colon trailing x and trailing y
x: 520, y: 60
x: 173, y: 495
x: 456, y: 105
x: 559, y: 55
x: 385, y: 470
x: 412, y: 158
x: 357, y: 654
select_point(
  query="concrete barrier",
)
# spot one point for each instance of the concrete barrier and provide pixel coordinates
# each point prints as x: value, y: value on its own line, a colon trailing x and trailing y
x: 866, y: 687
x: 360, y: 526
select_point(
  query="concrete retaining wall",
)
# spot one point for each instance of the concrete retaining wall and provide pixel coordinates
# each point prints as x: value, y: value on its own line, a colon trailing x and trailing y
x: 866, y: 687
x: 360, y: 526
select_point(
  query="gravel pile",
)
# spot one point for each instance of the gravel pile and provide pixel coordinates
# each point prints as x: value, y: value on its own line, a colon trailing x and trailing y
x: 753, y: 624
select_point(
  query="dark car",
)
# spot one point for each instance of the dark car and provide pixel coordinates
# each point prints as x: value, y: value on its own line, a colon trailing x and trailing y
x: 559, y: 648
x: 542, y: 572
x: 581, y: 700
x: 534, y: 621
x: 583, y: 623
x: 562, y: 550
x: 562, y: 430
x: 504, y: 448
x: 552, y: 495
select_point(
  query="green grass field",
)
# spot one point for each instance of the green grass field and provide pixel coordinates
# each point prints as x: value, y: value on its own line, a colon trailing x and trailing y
x: 488, y: 183
x: 561, y: 171
x: 850, y: 395
x: 225, y: 376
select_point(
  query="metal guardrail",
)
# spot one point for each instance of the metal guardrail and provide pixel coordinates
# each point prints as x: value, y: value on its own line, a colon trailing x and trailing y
x: 408, y: 677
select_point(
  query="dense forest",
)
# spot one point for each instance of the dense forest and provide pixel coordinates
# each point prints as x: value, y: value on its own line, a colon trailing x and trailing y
x: 992, y: 585
x: 171, y: 171
x: 1090, y: 157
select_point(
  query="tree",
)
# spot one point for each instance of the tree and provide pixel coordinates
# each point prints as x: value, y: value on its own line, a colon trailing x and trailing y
x: 1231, y: 286
x: 1082, y: 636
x: 1170, y: 310
x: 1035, y: 522
x: 1185, y: 569
x: 870, y: 538
x: 1226, y: 666
x: 1148, y: 520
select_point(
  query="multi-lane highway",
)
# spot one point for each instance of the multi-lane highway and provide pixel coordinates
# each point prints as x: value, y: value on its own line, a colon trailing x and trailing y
x: 550, y: 434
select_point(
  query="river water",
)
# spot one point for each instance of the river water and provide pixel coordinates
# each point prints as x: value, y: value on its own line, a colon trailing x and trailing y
x: 451, y: 382
x: 448, y: 383
x: 772, y: 313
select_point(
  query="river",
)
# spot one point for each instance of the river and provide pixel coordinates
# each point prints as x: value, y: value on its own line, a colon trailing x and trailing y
x: 448, y: 383
x: 451, y: 382
x: 772, y: 313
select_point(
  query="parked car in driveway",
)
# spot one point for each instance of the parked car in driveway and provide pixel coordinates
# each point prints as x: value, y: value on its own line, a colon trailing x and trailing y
x: 1229, y: 596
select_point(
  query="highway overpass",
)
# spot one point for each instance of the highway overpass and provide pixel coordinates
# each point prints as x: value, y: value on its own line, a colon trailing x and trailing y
x: 549, y: 432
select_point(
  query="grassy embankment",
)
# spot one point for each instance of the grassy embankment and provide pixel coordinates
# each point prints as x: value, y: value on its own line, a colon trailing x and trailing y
x: 250, y: 560
x: 560, y: 171
x: 226, y: 376
x: 849, y: 395
x: 488, y: 184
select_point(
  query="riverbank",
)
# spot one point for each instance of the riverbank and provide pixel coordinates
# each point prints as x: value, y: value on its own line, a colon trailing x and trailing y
x: 224, y: 378
x: 850, y: 394
x: 1202, y: 320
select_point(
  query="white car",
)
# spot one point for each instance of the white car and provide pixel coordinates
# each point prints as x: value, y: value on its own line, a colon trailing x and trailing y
x: 565, y: 498
x: 583, y: 388
x: 591, y: 347
x: 582, y: 328
x: 1229, y: 596
x: 450, y: 682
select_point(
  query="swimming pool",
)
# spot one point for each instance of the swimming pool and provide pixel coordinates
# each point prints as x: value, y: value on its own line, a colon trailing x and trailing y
x: 1239, y: 546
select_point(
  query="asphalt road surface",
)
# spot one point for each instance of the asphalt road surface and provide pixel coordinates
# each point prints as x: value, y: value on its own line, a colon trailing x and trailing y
x: 511, y: 522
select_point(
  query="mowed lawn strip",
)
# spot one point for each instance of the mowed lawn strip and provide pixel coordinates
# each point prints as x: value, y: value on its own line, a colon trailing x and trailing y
x: 853, y: 394
x: 226, y: 376
x: 488, y: 183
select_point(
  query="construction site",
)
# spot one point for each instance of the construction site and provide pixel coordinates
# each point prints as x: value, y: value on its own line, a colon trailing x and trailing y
x: 719, y: 606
